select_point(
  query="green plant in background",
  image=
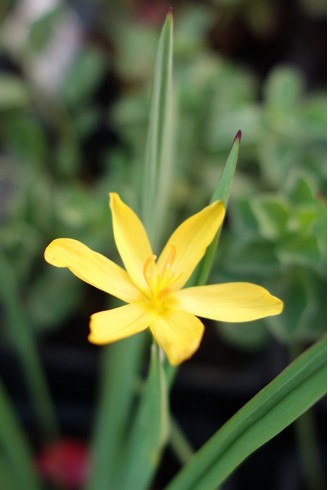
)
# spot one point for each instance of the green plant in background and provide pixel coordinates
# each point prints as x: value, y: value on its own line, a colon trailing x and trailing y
x: 275, y: 237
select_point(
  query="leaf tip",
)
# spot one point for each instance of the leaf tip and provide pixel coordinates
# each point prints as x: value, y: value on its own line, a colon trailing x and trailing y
x: 170, y: 10
x: 238, y: 136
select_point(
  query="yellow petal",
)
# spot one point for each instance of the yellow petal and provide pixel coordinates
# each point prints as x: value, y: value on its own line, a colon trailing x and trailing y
x: 119, y: 323
x: 190, y: 241
x: 231, y: 302
x: 92, y: 267
x: 131, y: 240
x: 178, y: 334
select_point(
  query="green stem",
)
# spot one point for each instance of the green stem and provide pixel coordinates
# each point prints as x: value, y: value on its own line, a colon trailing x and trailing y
x: 120, y: 367
x: 179, y: 443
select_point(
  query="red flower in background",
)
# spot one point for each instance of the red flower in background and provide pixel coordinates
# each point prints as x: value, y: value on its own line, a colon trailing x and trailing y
x: 64, y: 462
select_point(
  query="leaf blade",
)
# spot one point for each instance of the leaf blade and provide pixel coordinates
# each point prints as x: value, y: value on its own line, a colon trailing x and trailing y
x: 275, y: 407
x: 222, y: 193
x: 17, y: 460
x: 158, y: 158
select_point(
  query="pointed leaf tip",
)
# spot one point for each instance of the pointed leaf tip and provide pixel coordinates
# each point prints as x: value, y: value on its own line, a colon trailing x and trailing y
x: 238, y: 136
x: 170, y: 10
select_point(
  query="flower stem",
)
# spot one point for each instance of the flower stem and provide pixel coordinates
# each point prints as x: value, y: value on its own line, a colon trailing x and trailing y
x: 179, y: 443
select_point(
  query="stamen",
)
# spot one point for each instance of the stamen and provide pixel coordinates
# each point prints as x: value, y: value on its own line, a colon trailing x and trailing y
x: 170, y: 257
x: 150, y: 270
x: 164, y: 292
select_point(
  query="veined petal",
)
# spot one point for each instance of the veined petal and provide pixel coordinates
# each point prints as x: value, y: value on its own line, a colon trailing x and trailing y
x: 131, y: 240
x: 178, y: 334
x: 231, y: 302
x: 93, y: 268
x: 190, y: 241
x: 119, y: 323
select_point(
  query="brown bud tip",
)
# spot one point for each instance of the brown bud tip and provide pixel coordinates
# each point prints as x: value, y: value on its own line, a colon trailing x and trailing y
x: 238, y: 136
x: 170, y: 11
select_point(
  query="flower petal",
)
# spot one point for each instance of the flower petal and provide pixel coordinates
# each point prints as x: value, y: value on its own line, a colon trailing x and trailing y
x: 119, y: 323
x: 178, y: 334
x: 131, y: 240
x: 92, y: 267
x: 231, y: 302
x: 190, y: 241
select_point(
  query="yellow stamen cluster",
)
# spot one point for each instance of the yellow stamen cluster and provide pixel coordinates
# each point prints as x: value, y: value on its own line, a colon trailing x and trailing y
x: 160, y: 281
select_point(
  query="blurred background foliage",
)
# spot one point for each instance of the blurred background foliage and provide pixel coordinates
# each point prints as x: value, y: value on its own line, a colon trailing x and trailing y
x: 75, y: 82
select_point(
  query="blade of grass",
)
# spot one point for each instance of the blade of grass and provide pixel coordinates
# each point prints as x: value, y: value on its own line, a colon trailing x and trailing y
x: 16, y: 459
x: 158, y: 158
x: 120, y: 365
x: 20, y: 332
x: 275, y: 407
x: 149, y: 432
x: 221, y: 193
x: 122, y: 361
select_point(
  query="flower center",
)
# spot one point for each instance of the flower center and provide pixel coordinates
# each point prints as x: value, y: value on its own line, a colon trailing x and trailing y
x: 160, y: 282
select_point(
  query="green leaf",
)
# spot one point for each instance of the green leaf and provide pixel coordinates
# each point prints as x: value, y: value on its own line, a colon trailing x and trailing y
x: 20, y: 333
x: 16, y: 466
x: 284, y: 88
x: 272, y: 214
x: 303, y: 319
x: 149, y: 432
x: 130, y: 38
x: 297, y: 293
x: 83, y: 77
x: 221, y: 193
x: 243, y: 220
x: 302, y: 250
x: 254, y: 258
x: 223, y: 188
x: 158, y: 159
x: 13, y: 93
x: 120, y: 364
x: 42, y: 30
x: 301, y: 189
x: 275, y: 407
x: 25, y: 137
x: 110, y: 454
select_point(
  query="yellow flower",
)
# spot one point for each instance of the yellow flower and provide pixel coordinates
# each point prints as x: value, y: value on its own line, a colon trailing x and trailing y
x: 153, y: 287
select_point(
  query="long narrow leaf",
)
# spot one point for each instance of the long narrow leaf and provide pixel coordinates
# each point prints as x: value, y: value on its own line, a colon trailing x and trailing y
x: 279, y: 404
x: 122, y: 360
x: 221, y: 193
x: 20, y: 332
x: 16, y: 459
x: 158, y: 158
